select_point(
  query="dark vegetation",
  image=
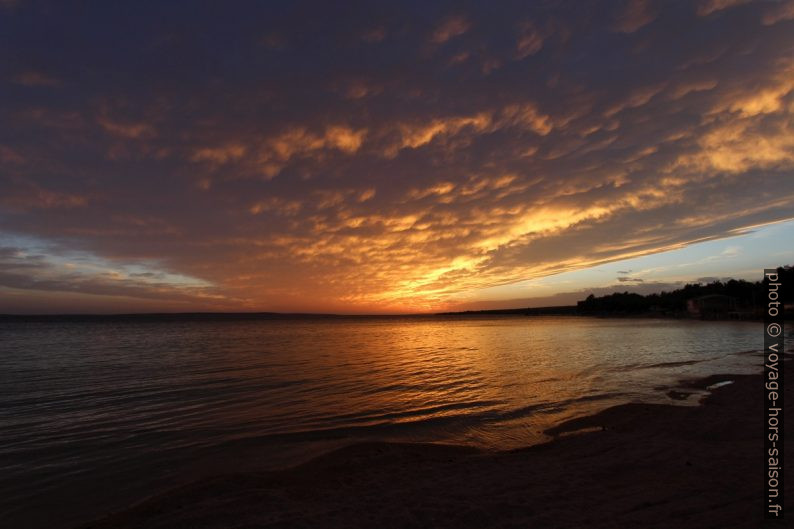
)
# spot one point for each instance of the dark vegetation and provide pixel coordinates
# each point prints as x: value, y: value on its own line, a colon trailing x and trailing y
x: 734, y: 298
x: 741, y: 298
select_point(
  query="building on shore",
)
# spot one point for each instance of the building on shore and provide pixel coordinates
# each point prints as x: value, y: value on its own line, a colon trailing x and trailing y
x: 712, y: 306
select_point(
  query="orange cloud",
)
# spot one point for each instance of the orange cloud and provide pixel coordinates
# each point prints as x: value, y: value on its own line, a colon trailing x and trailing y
x: 778, y: 13
x: 529, y: 42
x: 35, y: 79
x: 219, y: 155
x: 28, y: 195
x: 635, y: 15
x: 382, y: 162
x: 128, y: 130
x: 707, y: 7
x: 450, y: 28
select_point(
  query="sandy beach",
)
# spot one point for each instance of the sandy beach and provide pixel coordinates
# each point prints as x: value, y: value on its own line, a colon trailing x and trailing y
x: 634, y: 465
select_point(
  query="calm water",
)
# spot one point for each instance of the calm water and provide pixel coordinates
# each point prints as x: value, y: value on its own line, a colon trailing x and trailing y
x: 94, y: 415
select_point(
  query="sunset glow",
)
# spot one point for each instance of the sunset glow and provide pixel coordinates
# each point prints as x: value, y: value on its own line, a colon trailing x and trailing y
x: 380, y: 159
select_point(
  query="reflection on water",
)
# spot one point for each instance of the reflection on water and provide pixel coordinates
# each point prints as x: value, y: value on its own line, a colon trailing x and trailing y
x: 94, y: 414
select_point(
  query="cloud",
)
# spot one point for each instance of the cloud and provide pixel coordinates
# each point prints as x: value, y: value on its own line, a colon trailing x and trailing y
x: 373, y: 35
x: 530, y: 40
x: 10, y: 156
x: 778, y: 12
x: 23, y: 195
x: 450, y: 28
x: 128, y: 130
x: 635, y: 15
x: 24, y: 270
x: 35, y: 79
x: 731, y: 251
x: 707, y: 7
x: 373, y: 161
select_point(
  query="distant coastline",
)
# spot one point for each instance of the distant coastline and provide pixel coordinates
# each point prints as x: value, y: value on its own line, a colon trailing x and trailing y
x: 729, y: 300
x: 569, y: 310
x: 169, y: 316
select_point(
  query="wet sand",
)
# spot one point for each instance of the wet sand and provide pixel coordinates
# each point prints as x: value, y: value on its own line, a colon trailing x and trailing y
x: 636, y: 465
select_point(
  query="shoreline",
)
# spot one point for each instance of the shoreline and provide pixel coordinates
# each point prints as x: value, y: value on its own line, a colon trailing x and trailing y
x: 649, y: 465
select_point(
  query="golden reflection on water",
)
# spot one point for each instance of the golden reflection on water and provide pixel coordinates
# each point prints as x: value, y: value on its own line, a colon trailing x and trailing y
x: 145, y: 404
x: 492, y: 382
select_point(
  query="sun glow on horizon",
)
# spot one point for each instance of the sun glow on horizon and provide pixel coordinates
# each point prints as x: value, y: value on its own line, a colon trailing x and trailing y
x: 425, y: 167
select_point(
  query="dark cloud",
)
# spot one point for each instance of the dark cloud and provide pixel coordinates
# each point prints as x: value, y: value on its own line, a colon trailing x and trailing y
x: 304, y: 155
x: 711, y: 279
x: 21, y: 270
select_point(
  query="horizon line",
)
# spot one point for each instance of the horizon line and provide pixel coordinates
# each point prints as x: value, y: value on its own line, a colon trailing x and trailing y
x: 273, y: 313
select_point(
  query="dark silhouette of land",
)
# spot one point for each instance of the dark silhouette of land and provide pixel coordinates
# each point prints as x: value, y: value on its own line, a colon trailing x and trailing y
x: 732, y: 299
x: 562, y: 310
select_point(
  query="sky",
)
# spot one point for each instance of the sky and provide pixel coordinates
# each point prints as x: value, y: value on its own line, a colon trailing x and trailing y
x: 388, y: 157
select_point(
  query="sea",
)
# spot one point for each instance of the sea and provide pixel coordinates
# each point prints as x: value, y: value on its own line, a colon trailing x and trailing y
x: 97, y: 414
